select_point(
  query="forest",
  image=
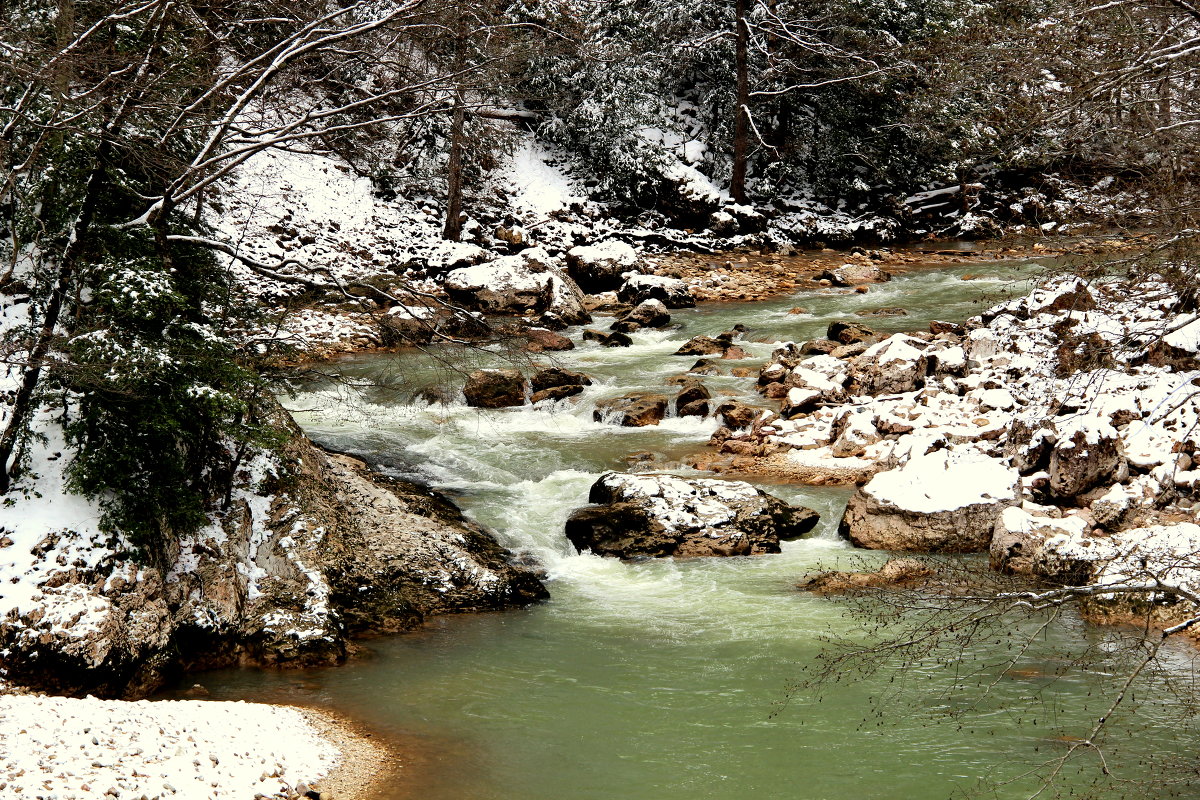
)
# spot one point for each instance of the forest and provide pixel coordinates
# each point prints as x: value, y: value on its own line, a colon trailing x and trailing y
x: 325, y: 320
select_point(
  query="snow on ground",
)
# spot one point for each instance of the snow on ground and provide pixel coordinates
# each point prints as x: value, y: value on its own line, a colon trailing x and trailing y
x: 40, y: 516
x: 329, y: 330
x: 1154, y: 557
x: 314, y: 211
x: 71, y: 749
x: 537, y: 181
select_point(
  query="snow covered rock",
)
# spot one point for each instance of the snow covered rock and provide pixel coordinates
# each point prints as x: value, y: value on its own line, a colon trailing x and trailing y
x: 1179, y: 349
x: 1147, y: 559
x: 798, y: 400
x: 528, y: 283
x: 1088, y: 453
x: 448, y: 256
x: 945, y: 501
x: 817, y: 381
x: 688, y: 196
x: 647, y: 314
x: 407, y: 325
x: 734, y: 219
x: 853, y: 431
x: 1111, y: 508
x: 661, y: 515
x: 1019, y: 536
x: 671, y: 292
x: 896, y: 365
x: 601, y: 267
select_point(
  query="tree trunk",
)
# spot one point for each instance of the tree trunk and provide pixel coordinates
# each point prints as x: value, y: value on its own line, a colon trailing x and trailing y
x: 741, y: 120
x: 454, y: 178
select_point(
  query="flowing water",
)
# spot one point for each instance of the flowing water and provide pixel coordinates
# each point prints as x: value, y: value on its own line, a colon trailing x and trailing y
x: 654, y: 680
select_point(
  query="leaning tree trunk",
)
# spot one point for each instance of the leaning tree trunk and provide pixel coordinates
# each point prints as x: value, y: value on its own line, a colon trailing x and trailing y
x: 23, y: 405
x: 741, y: 120
x: 454, y: 178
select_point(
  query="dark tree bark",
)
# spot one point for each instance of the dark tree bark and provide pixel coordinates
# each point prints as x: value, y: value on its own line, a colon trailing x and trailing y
x: 741, y: 123
x: 454, y: 177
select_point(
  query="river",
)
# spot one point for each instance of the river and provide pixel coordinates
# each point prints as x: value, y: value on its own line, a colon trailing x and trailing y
x: 658, y: 680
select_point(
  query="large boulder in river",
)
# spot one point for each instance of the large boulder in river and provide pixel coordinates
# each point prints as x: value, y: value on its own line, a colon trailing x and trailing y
x: 495, y: 388
x: 947, y: 501
x: 661, y: 515
x: 703, y: 346
x: 647, y: 314
x: 555, y: 383
x: 855, y: 275
x: 557, y: 376
x: 600, y: 267
x: 407, y: 325
x: 528, y: 283
x: 635, y: 410
x: 536, y: 339
x: 614, y: 339
x: 736, y: 414
x: 897, y: 573
x: 721, y: 345
x: 692, y: 400
x: 850, y: 333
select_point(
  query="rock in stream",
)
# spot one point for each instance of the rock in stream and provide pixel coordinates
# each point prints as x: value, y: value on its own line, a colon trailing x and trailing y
x: 662, y: 515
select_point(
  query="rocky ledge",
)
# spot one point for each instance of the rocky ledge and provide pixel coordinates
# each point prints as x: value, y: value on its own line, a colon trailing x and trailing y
x: 897, y: 573
x: 662, y: 515
x: 311, y: 550
x: 1077, y: 402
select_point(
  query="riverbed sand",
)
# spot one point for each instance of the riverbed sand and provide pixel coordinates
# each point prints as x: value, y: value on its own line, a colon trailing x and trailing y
x: 75, y: 749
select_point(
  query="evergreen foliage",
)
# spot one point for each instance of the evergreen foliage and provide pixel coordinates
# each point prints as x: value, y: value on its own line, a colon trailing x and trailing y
x: 161, y: 403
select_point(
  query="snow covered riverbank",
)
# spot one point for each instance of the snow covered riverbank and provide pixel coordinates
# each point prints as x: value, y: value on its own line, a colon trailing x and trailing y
x: 68, y: 748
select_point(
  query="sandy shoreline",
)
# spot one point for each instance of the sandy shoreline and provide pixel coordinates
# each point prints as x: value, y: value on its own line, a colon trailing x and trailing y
x: 366, y: 764
x: 77, y: 749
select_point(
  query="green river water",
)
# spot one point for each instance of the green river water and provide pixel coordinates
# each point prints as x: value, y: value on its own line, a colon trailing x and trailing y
x: 660, y: 680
